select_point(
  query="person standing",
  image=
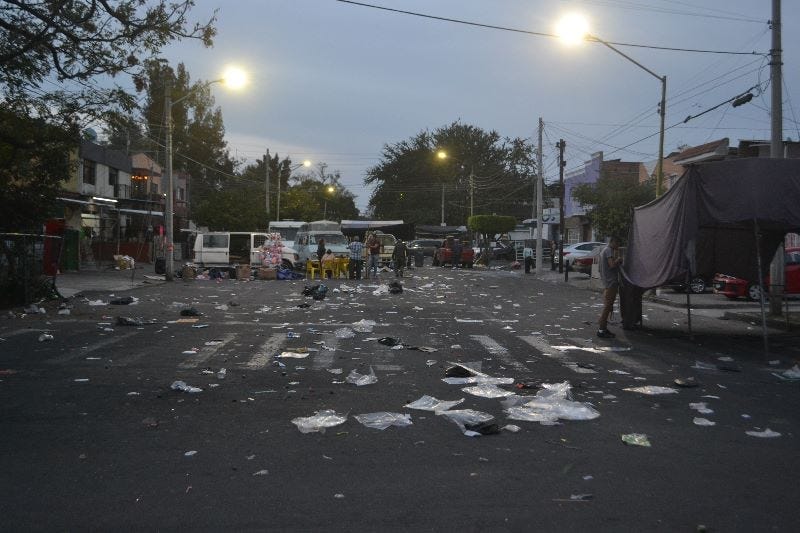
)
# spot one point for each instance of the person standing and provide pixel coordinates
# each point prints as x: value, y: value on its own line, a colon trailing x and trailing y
x: 527, y: 256
x: 399, y: 257
x: 356, y: 258
x: 610, y: 261
x: 456, y: 257
x: 320, y: 249
x: 374, y: 247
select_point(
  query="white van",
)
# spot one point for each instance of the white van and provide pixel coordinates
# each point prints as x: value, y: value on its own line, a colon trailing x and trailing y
x: 228, y: 248
x: 305, y: 243
x: 287, y: 228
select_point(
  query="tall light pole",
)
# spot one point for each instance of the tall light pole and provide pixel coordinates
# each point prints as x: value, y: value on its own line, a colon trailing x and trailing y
x: 306, y: 164
x: 330, y: 189
x: 574, y: 29
x: 234, y: 78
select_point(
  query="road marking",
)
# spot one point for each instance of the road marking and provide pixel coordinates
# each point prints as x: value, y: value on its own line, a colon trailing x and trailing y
x: 206, y: 352
x: 74, y: 354
x: 269, y: 348
x: 540, y: 343
x: 494, y: 348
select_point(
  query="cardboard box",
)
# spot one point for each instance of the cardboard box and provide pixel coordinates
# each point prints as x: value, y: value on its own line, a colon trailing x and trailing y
x: 243, y: 272
x: 267, y: 273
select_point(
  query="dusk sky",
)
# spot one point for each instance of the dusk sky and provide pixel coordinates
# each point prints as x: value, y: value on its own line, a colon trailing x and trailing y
x: 334, y: 82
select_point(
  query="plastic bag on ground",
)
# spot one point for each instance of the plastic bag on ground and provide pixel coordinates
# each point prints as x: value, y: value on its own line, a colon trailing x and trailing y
x: 364, y: 326
x: 383, y: 420
x: 468, y: 418
x: 791, y: 374
x: 361, y: 379
x: 636, y: 439
x: 344, y: 333
x: 429, y: 403
x: 551, y: 403
x: 489, y: 380
x: 652, y: 390
x: 319, y: 422
x: 383, y: 289
x: 487, y: 390
x: 293, y: 354
x: 766, y: 434
x: 182, y: 386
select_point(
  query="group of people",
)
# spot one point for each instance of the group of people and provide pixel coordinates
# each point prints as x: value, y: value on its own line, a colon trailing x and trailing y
x: 373, y: 246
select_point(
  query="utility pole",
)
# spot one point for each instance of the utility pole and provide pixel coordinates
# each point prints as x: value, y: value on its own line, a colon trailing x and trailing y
x: 266, y: 181
x: 442, y: 204
x: 168, y: 266
x: 539, y: 187
x: 561, y: 164
x: 777, y: 272
x: 471, y: 191
x: 278, y: 199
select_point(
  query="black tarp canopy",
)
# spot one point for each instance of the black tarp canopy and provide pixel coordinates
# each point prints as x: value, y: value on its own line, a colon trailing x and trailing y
x: 706, y: 222
x: 725, y: 216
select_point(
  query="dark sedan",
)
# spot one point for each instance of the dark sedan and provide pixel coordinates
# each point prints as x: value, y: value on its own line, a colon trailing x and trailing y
x: 427, y: 246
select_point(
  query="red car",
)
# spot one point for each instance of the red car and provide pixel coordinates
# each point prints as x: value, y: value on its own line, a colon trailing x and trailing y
x: 735, y: 287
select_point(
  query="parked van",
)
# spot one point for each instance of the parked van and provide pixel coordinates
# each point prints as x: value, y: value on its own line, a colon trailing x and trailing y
x: 309, y: 235
x: 387, y: 241
x: 228, y: 248
x: 287, y: 228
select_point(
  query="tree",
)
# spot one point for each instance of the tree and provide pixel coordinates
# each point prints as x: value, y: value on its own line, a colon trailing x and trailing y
x: 488, y: 226
x: 610, y: 203
x: 410, y: 178
x: 309, y: 198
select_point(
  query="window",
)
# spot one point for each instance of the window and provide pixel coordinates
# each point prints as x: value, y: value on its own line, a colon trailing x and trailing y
x: 181, y: 194
x: 215, y: 241
x: 153, y: 188
x: 89, y: 171
x: 113, y: 176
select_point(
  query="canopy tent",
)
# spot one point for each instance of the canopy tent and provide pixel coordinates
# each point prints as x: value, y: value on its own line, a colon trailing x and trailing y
x: 398, y: 228
x: 726, y: 216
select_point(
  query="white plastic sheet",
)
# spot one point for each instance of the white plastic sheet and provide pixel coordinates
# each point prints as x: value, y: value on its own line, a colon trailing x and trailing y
x: 549, y: 405
x: 344, y: 333
x: 464, y: 417
x: 765, y: 434
x: 356, y: 378
x: 319, y: 422
x: 364, y: 326
x: 382, y: 420
x: 652, y: 390
x: 182, y: 386
x: 429, y: 403
x: 487, y: 390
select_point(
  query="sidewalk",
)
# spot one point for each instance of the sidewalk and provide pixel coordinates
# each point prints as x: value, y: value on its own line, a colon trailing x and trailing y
x: 70, y: 284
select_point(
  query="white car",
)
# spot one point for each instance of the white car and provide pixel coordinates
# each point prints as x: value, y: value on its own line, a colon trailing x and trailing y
x: 578, y: 250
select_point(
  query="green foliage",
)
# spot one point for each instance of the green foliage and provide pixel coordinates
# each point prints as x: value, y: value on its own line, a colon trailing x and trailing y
x: 410, y: 178
x: 610, y: 203
x: 491, y: 224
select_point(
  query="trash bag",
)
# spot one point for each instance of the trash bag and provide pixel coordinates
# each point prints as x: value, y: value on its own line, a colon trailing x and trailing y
x: 395, y: 287
x: 129, y: 321
x: 320, y: 292
x: 389, y: 341
x: 126, y: 300
x: 383, y: 420
x: 429, y: 403
x: 458, y: 371
x: 190, y: 311
x: 309, y: 291
x: 549, y: 405
x: 469, y: 417
x: 356, y: 378
x: 319, y: 422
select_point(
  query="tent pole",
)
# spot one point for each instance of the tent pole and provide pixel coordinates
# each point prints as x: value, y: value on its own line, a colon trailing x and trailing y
x: 761, y: 288
x: 689, y: 303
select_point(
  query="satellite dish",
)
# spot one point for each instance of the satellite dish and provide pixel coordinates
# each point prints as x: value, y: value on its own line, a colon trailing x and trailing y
x: 89, y: 134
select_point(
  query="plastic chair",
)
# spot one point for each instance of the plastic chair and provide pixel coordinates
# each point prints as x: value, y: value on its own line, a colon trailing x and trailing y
x: 311, y: 268
x: 329, y: 266
x: 343, y: 267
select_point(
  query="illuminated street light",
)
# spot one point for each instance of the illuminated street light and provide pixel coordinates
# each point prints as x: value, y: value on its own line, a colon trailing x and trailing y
x: 234, y: 78
x: 573, y: 29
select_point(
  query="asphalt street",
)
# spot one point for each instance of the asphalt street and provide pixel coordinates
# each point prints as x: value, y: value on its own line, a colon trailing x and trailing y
x: 95, y: 438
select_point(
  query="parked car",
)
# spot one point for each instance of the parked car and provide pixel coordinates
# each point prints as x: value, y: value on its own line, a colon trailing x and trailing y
x: 577, y: 250
x: 733, y: 287
x: 698, y: 284
x: 502, y: 250
x: 444, y: 255
x: 427, y: 246
x: 583, y: 264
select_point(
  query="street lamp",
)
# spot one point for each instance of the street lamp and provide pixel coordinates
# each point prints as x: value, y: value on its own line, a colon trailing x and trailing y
x: 234, y: 78
x: 441, y: 155
x: 330, y: 189
x: 574, y: 29
x: 306, y: 164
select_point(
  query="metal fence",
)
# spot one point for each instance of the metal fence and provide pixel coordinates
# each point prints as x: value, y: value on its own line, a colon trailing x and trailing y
x: 28, y: 266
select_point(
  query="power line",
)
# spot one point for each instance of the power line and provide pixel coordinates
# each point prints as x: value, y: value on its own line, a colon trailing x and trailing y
x: 535, y: 33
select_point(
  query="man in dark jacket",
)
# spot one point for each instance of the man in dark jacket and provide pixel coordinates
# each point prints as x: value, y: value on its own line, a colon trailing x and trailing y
x: 399, y: 258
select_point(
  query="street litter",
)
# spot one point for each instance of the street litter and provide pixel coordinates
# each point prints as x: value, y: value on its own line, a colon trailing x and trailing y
x: 335, y: 370
x: 652, y: 390
x: 699, y: 421
x: 212, y: 343
x: 364, y: 326
x: 469, y: 321
x: 200, y: 326
x: 222, y: 307
x: 344, y: 333
x: 193, y: 351
x: 636, y: 439
x: 182, y: 386
x: 190, y: 453
x: 34, y: 309
x: 389, y: 341
x: 292, y: 335
x: 791, y: 374
x: 460, y: 374
x: 293, y: 355
x: 129, y: 321
x: 511, y: 427
x: 190, y: 311
x: 126, y: 300
x: 551, y: 403
x: 94, y: 303
x: 699, y: 365
x: 429, y: 403
x: 222, y: 373
x: 766, y: 434
x: 63, y: 311
x: 426, y: 349
x: 261, y: 473
x: 487, y: 390
x: 395, y: 287
x: 361, y: 379
x: 383, y: 420
x: 472, y: 423
x: 686, y: 383
x: 319, y: 422
x: 431, y: 362
x: 382, y: 289
x: 702, y: 408
x: 81, y: 380
x: 45, y: 337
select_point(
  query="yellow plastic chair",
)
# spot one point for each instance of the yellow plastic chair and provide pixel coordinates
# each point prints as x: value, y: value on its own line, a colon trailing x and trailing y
x: 312, y: 267
x: 329, y: 266
x: 343, y: 267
